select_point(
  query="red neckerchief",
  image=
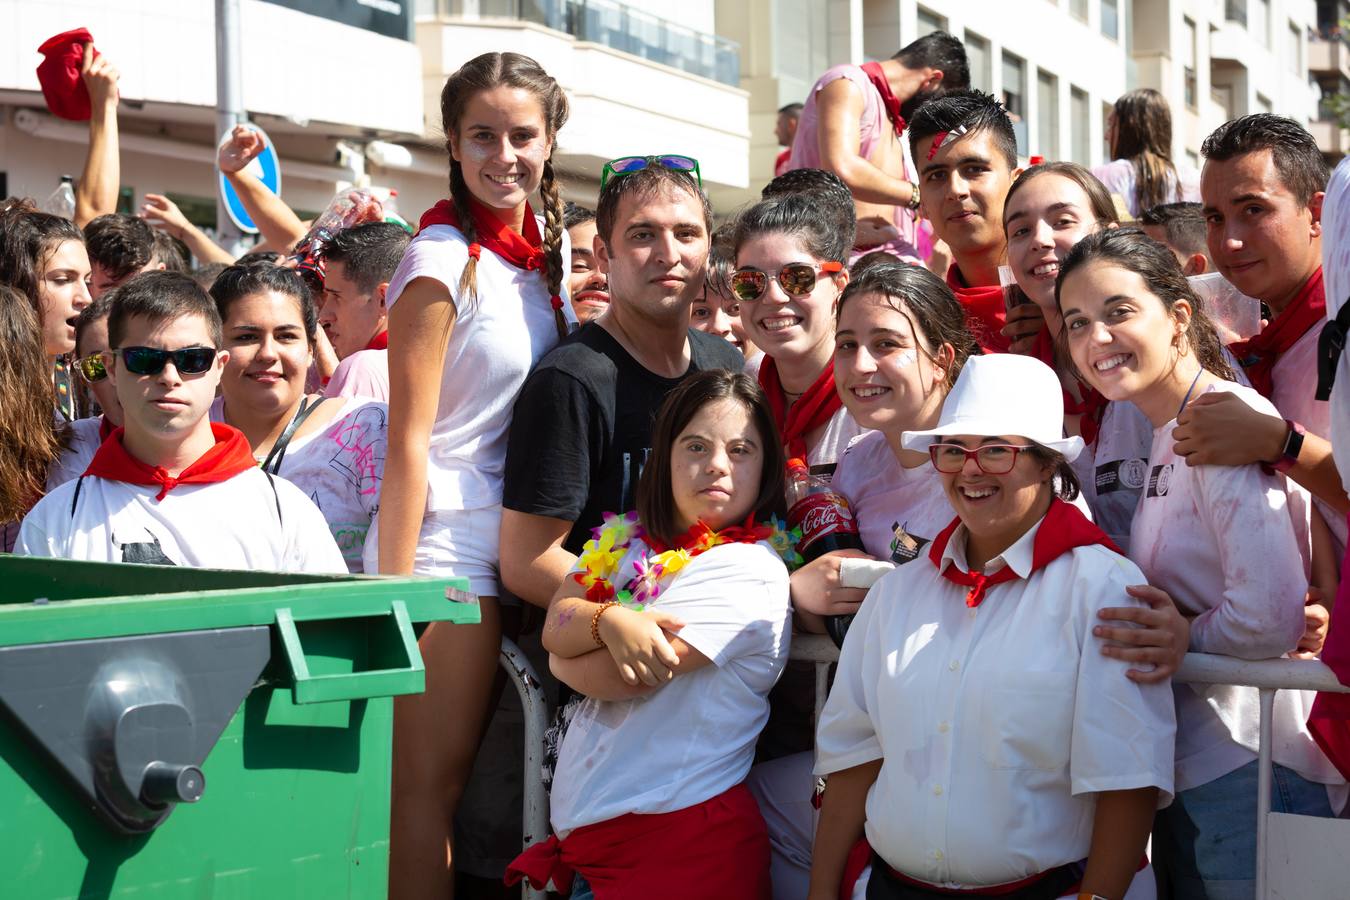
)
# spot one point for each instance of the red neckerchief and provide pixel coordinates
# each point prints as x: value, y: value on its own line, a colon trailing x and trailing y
x: 1090, y: 409
x: 1329, y: 721
x: 889, y: 102
x: 1259, y: 354
x: 379, y: 341
x: 105, y: 429
x: 700, y: 537
x: 1063, y: 528
x: 812, y: 409
x: 524, y: 251
x: 230, y: 456
x: 986, y: 311
x: 683, y: 851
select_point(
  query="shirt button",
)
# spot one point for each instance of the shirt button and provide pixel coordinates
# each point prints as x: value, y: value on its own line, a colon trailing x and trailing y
x: 937, y: 790
x: 943, y: 727
x: 954, y: 665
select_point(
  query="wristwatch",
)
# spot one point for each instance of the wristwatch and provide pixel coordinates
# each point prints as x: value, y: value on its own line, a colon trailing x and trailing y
x: 914, y: 196
x: 1293, y: 445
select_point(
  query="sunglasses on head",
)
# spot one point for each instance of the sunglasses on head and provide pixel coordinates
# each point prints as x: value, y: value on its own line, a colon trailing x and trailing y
x: 91, y: 368
x: 796, y: 280
x: 627, y: 165
x: 151, y: 361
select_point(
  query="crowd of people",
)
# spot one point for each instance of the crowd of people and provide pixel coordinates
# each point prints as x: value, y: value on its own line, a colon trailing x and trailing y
x: 1076, y: 416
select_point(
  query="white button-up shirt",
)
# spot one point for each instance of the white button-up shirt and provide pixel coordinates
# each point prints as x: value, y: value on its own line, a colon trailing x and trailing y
x: 996, y: 725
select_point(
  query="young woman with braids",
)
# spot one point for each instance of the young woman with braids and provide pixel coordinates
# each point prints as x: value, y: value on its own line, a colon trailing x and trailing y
x: 43, y: 258
x: 1141, y: 171
x: 28, y: 439
x: 477, y: 300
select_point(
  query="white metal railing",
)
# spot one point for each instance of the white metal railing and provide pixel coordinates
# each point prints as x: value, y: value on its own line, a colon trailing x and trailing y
x: 1266, y: 675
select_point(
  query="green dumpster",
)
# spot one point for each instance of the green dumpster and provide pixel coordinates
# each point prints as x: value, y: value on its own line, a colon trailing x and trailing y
x: 193, y: 733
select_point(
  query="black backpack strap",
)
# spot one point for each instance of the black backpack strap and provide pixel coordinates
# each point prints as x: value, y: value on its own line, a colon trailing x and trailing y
x: 1330, y: 345
x: 276, y: 497
x: 74, y: 501
x: 272, y: 464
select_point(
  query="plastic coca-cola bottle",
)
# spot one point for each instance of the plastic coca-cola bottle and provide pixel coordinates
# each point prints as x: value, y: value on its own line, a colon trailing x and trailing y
x: 822, y: 514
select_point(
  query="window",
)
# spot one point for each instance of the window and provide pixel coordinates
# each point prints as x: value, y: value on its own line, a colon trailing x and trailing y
x: 1193, y: 159
x: 1188, y: 62
x: 1108, y: 110
x: 1081, y: 144
x: 1236, y: 11
x: 1294, y: 49
x: 977, y: 54
x: 1260, y: 26
x: 930, y: 22
x: 1047, y: 115
x: 1111, y: 19
x: 1263, y: 104
x: 1079, y: 9
x: 1014, y: 97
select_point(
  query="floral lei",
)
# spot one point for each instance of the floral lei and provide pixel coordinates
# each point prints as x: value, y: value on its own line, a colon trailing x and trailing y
x: 600, y: 555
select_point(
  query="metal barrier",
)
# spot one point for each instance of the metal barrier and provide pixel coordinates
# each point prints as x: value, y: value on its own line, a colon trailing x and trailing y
x: 1267, y: 676
x: 534, y: 819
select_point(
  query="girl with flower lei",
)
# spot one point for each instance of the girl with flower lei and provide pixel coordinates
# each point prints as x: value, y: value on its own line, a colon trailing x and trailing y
x: 674, y: 626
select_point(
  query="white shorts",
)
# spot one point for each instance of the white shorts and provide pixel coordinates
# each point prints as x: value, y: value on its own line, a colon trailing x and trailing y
x: 458, y: 543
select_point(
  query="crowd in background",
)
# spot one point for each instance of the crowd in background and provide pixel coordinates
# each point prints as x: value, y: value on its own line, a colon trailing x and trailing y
x: 1016, y: 436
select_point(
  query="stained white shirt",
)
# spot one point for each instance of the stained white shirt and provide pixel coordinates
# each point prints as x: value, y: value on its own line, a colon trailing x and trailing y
x: 693, y: 737
x: 363, y: 374
x: 899, y: 511
x: 340, y: 467
x: 1294, y: 395
x: 1114, y: 469
x: 244, y: 522
x: 996, y: 725
x: 496, y: 340
x: 78, y: 452
x: 1231, y: 545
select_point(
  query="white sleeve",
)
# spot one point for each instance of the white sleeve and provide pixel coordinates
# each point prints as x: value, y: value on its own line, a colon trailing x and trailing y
x: 846, y: 735
x: 439, y: 253
x: 733, y: 600
x: 1124, y: 732
x: 35, y: 532
x: 1260, y: 614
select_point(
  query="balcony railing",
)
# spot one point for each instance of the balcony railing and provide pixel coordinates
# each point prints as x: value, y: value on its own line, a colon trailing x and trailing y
x: 613, y: 25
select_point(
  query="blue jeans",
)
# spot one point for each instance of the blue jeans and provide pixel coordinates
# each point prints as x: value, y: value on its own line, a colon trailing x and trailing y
x: 1204, y: 844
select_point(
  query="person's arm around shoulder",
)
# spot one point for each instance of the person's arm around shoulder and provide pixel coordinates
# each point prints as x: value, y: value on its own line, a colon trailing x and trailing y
x: 1220, y: 429
x: 420, y: 325
x: 96, y: 194
x: 840, y: 106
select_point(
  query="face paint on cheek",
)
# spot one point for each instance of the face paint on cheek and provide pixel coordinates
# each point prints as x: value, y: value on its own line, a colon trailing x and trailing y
x: 474, y: 152
x: 906, y: 359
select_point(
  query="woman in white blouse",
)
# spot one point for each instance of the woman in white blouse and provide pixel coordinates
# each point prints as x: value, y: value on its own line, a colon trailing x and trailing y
x: 975, y: 733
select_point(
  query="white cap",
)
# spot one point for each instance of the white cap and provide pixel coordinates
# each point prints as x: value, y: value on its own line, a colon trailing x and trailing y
x: 1003, y: 393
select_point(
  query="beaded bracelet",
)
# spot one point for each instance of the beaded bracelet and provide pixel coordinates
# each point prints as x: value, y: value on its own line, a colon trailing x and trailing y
x: 595, y: 622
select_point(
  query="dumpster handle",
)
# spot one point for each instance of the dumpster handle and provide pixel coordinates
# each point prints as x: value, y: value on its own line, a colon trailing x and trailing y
x: 308, y: 688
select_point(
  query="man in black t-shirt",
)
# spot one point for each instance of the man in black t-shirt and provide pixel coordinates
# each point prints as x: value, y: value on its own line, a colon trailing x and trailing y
x: 581, y: 429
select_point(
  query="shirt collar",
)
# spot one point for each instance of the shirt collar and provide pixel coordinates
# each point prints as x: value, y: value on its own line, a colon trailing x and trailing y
x: 1018, y: 556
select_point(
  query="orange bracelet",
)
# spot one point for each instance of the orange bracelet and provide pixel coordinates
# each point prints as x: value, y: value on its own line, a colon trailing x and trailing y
x: 595, y: 621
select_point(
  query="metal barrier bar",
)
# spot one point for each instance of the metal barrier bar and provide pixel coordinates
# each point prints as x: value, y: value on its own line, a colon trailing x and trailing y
x: 535, y: 711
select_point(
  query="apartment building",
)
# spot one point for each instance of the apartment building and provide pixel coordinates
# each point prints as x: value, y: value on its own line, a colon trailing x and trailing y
x: 1329, y: 67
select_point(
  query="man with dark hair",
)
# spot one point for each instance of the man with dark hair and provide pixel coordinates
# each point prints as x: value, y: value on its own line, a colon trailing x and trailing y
x: 1262, y: 185
x: 581, y: 429
x: 825, y: 188
x: 587, y: 286
x: 851, y: 125
x: 784, y: 130
x: 119, y: 246
x: 169, y: 486
x: 170, y: 253
x: 358, y: 265
x: 967, y: 156
x: 1181, y: 228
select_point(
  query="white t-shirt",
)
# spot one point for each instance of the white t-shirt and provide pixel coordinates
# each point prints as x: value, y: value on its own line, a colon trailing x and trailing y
x: 694, y: 737
x: 246, y: 522
x: 363, y: 374
x: 1336, y: 283
x: 84, y: 443
x: 340, y: 469
x: 1295, y: 396
x: 1230, y: 544
x: 996, y: 725
x: 1118, y: 176
x: 497, y: 338
x: 899, y: 511
x: 1114, y: 469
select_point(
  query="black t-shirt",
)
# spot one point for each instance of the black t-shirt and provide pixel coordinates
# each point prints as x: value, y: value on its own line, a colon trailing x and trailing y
x: 582, y: 425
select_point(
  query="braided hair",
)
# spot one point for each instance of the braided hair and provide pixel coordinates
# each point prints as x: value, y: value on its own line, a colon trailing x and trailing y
x: 491, y: 70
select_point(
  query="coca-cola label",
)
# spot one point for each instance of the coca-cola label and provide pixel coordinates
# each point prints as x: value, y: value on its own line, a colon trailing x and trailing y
x: 819, y: 514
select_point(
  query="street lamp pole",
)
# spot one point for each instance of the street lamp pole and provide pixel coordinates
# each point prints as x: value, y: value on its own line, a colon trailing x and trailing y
x: 229, y: 103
